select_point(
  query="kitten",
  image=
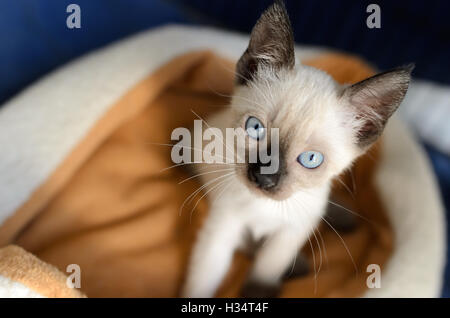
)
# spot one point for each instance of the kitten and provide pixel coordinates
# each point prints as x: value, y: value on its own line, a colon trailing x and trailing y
x: 323, y: 127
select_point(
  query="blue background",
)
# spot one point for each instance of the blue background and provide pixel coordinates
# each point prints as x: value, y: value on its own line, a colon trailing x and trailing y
x: 35, y: 39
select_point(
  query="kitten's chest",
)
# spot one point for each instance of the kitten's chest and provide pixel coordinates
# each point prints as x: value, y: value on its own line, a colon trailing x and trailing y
x: 262, y: 225
x: 301, y: 213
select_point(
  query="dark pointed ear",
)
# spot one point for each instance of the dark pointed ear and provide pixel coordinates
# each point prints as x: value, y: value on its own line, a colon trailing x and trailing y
x: 375, y: 99
x: 271, y: 43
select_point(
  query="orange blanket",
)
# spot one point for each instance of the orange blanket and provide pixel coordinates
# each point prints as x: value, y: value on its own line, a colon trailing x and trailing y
x: 110, y: 209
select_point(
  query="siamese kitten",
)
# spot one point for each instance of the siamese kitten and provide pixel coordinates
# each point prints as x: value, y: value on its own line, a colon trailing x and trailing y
x: 323, y: 127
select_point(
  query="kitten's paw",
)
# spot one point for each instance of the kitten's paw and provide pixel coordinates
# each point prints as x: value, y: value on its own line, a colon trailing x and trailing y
x: 299, y: 268
x: 255, y: 289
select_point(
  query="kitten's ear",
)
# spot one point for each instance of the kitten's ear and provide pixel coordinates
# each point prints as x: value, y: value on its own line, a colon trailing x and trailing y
x: 374, y: 100
x: 271, y: 43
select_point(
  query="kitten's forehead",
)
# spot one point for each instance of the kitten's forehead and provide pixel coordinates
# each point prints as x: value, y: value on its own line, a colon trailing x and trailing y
x: 290, y: 90
x: 294, y: 100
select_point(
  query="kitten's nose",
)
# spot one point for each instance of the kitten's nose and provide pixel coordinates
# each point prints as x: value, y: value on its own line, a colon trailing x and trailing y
x: 263, y: 181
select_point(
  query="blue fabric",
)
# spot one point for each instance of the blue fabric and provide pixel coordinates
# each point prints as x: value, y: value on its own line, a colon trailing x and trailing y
x: 34, y: 38
x: 411, y: 31
x: 441, y: 165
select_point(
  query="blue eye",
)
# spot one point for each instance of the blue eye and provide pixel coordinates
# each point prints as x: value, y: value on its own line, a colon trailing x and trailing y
x: 255, y: 129
x: 310, y: 159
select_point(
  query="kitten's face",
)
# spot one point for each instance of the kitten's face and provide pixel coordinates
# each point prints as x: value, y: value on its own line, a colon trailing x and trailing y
x: 322, y: 126
x: 306, y: 107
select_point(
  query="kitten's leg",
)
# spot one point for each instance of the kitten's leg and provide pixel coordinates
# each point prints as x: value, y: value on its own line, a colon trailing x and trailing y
x: 211, y: 257
x: 272, y: 261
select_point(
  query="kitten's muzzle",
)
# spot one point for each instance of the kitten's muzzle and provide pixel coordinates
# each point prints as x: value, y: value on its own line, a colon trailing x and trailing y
x: 262, y: 181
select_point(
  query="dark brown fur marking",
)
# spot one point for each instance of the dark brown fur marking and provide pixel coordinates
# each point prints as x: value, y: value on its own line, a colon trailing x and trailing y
x: 271, y: 37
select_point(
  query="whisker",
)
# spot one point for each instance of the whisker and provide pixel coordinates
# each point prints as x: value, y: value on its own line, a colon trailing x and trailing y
x: 230, y: 182
x: 208, y: 191
x: 324, y: 247
x: 343, y: 243
x: 195, y: 162
x: 342, y: 240
x: 188, y: 147
x: 204, y: 173
x: 320, y: 251
x: 312, y: 230
x: 345, y: 209
x: 346, y: 187
x: 210, y: 182
x: 193, y: 194
x: 352, y: 212
x: 353, y: 181
x: 293, y: 264
x: 314, y: 265
x: 173, y: 145
x: 221, y: 137
x: 295, y: 256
